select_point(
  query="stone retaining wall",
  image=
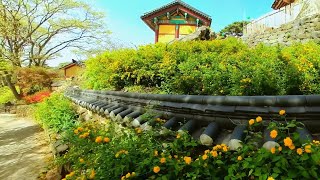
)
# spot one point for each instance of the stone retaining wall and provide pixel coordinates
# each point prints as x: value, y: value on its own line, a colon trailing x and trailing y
x: 301, y: 30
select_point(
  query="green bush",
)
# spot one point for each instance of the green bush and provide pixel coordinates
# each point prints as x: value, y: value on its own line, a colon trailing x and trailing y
x: 55, y: 113
x: 6, y: 95
x: 110, y: 151
x: 219, y: 67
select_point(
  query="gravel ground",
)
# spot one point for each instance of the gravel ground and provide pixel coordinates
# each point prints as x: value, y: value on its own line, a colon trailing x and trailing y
x: 24, y: 149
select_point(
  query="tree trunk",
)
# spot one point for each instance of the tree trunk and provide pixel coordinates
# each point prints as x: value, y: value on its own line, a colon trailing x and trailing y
x: 7, y: 80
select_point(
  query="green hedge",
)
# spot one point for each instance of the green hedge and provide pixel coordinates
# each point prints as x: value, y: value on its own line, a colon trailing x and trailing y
x: 55, y: 113
x: 220, y: 67
x: 6, y: 95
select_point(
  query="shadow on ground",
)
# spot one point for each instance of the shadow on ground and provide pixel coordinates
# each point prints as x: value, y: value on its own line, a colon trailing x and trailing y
x: 24, y: 149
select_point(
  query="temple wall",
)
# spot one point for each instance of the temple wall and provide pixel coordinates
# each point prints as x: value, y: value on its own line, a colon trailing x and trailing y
x: 301, y: 30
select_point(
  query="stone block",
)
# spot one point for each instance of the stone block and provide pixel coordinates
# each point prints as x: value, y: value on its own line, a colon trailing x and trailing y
x: 315, y: 34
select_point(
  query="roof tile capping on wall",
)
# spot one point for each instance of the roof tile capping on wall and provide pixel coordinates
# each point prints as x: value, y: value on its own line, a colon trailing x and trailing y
x: 301, y: 30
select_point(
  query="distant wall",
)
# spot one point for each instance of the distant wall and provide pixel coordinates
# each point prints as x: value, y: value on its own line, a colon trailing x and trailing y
x: 301, y: 30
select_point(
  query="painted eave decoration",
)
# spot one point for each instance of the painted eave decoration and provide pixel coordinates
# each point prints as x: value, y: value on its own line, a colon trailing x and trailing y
x: 281, y: 3
x: 150, y: 18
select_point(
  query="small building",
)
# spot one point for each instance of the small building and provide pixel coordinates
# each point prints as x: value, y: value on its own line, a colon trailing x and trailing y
x: 72, y: 70
x: 174, y: 20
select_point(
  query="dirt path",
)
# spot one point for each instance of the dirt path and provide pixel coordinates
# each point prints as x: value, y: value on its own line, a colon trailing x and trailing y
x: 24, y: 151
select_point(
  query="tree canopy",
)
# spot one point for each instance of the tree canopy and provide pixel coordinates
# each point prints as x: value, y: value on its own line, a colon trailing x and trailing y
x: 35, y: 31
x: 235, y: 27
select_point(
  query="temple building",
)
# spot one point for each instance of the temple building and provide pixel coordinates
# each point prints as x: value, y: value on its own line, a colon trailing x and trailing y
x: 72, y: 69
x: 174, y: 20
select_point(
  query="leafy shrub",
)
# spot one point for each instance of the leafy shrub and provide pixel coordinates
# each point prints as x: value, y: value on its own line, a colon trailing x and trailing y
x: 55, y: 113
x: 32, y: 80
x: 110, y: 151
x: 6, y: 95
x: 37, y: 97
x: 219, y: 67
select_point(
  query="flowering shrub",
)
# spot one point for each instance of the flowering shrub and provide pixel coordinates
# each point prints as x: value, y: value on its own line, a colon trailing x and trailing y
x: 37, y: 97
x: 219, y: 67
x: 110, y: 151
x: 34, y: 79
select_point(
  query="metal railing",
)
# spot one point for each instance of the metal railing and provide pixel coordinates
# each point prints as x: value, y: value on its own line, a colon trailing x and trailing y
x: 273, y: 19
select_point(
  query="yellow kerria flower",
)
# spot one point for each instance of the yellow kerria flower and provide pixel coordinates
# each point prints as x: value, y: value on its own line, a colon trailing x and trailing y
x: 273, y: 150
x: 251, y: 121
x: 214, y: 153
x: 259, y: 119
x: 178, y: 136
x: 206, y: 151
x: 280, y: 148
x: 80, y: 129
x: 128, y: 175
x: 287, y: 141
x: 106, y: 139
x: 81, y: 160
x: 204, y: 157
x: 273, y: 134
x: 123, y: 178
x: 307, y: 148
x: 282, y: 112
x: 139, y: 130
x: 225, y: 148
x: 187, y: 160
x: 155, y: 153
x: 239, y: 158
x: 163, y: 160
x: 292, y: 147
x: 76, y: 131
x: 175, y: 156
x: 92, y: 174
x: 98, y: 139
x: 270, y: 178
x: 156, y: 169
x: 70, y: 174
x: 85, y: 135
x: 217, y: 147
x: 299, y: 151
x: 133, y: 174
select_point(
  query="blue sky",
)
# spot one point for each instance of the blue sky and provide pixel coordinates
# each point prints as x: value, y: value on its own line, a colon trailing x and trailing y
x: 123, y: 18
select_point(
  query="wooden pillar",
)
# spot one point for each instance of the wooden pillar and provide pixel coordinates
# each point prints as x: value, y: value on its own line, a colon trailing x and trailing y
x: 177, y: 31
x: 156, y: 39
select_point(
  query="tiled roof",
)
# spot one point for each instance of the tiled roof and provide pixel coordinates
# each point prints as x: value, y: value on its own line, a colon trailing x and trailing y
x: 74, y: 62
x: 223, y: 120
x: 279, y: 4
x: 177, y: 2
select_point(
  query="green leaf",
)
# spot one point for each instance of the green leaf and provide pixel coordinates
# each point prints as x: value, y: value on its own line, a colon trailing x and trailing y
x: 314, y: 173
x: 257, y: 172
x: 305, y: 157
x: 305, y: 174
x: 276, y: 158
x: 250, y: 172
x: 292, y: 173
x: 276, y: 170
x: 219, y: 162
